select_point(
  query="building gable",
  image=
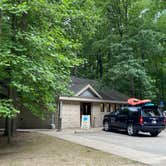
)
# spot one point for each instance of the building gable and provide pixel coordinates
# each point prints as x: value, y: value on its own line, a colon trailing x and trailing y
x: 88, y: 91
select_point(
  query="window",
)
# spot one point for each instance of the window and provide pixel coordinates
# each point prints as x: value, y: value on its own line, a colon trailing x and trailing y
x: 117, y: 106
x: 108, y: 107
x: 113, y: 107
x: 124, y: 112
x: 150, y: 112
x: 133, y: 111
x: 102, y: 107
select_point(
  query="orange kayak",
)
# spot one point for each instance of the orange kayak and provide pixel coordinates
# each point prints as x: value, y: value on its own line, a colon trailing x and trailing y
x: 134, y: 101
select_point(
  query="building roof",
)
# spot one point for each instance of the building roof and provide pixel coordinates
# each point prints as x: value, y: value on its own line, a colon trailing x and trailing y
x: 106, y: 93
x: 79, y: 83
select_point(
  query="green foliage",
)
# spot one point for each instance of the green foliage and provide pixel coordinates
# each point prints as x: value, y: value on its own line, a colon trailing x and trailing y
x: 39, y: 43
x: 7, y: 109
x: 43, y: 42
x: 128, y: 50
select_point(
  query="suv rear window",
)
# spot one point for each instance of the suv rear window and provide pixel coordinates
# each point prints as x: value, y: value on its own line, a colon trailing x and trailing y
x: 133, y: 111
x: 150, y: 112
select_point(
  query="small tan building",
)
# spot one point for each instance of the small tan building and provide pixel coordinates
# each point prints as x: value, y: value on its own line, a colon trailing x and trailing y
x: 86, y: 100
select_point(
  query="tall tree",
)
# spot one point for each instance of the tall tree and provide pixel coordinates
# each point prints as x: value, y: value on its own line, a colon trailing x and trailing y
x: 39, y: 44
x: 131, y: 38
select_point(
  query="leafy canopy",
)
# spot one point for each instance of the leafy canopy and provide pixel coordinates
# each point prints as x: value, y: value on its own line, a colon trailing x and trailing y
x: 39, y: 43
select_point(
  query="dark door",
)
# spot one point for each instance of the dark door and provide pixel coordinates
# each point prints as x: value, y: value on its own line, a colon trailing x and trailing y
x: 85, y: 109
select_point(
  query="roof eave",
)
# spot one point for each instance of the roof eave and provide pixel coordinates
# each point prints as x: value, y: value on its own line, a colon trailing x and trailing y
x: 64, y: 98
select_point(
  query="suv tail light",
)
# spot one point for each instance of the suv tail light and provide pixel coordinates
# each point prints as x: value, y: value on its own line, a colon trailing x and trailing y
x: 164, y: 121
x: 141, y: 121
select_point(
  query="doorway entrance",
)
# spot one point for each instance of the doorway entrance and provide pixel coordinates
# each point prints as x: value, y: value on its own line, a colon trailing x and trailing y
x: 85, y: 109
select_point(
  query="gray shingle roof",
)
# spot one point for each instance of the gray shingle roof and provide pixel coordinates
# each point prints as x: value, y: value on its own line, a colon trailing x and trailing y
x: 106, y: 93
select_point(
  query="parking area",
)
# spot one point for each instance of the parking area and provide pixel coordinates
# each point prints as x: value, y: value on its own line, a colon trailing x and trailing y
x: 143, y: 148
x: 142, y: 142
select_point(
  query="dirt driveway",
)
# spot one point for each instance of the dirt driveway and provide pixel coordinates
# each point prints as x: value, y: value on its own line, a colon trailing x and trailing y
x: 143, y: 148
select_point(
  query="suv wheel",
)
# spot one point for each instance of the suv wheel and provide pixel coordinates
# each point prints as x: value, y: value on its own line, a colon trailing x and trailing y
x: 131, y: 131
x: 154, y: 133
x: 106, y: 126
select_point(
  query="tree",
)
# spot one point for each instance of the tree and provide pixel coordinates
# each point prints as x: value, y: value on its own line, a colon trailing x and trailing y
x: 8, y: 111
x: 130, y: 40
x: 39, y: 43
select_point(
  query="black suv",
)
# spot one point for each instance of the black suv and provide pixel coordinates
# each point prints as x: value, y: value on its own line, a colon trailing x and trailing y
x: 145, y: 118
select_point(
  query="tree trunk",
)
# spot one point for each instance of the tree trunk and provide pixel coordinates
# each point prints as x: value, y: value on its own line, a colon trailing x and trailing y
x: 97, y: 65
x: 99, y: 69
x: 9, y: 130
x: 6, y: 127
x: 13, y: 127
x: 142, y: 58
x: 162, y: 80
x: 100, y: 65
x: 132, y: 87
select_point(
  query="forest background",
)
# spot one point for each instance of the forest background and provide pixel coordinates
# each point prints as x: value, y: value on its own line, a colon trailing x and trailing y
x: 120, y: 43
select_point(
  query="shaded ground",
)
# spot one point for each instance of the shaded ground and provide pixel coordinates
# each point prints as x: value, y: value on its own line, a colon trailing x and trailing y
x: 35, y: 149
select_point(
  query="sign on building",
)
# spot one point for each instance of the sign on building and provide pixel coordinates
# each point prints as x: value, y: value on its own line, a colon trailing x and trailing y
x: 85, y: 124
x: 161, y: 104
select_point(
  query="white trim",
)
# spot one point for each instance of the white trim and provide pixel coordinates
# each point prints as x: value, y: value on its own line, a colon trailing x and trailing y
x: 62, y: 98
x: 86, y: 88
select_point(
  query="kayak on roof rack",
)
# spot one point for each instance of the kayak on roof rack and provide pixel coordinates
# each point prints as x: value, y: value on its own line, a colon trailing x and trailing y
x: 134, y: 101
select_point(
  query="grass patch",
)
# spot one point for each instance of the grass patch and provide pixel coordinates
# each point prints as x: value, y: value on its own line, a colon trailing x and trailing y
x: 35, y: 149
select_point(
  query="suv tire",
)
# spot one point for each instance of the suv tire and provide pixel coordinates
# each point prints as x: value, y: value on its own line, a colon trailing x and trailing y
x: 131, y: 131
x: 106, y: 126
x: 154, y: 133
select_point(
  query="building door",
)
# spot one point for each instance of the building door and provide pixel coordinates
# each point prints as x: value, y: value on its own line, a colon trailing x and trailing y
x: 85, y: 109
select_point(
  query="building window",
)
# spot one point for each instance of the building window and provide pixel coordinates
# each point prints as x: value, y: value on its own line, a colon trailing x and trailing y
x: 108, y: 107
x: 102, y: 107
x: 118, y: 106
x: 113, y: 106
